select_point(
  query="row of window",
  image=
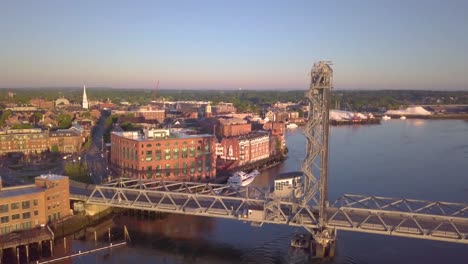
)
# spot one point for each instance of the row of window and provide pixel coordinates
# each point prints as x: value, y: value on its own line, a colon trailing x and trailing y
x: 4, y: 208
x: 55, y: 195
x: 54, y: 205
x: 21, y: 226
x: 165, y: 154
x: 26, y: 215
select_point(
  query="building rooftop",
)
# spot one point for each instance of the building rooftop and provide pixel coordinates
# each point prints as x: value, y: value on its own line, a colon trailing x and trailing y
x: 289, y: 175
x: 51, y: 177
x: 6, y: 192
x: 140, y: 137
x: 253, y: 134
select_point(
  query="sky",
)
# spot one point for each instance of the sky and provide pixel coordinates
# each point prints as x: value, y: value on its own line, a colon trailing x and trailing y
x: 221, y: 45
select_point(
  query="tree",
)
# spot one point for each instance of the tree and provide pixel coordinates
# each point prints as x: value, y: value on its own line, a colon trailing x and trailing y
x: 5, y: 115
x: 86, y: 114
x: 64, y: 121
x: 21, y: 126
x: 36, y: 117
x: 54, y: 148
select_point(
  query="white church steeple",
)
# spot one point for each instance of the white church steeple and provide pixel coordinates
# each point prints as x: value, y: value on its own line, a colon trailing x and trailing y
x: 85, y: 98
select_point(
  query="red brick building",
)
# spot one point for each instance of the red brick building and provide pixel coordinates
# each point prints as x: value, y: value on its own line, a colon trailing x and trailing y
x: 245, y: 149
x: 277, y: 140
x: 160, y: 153
x: 233, y: 127
x: 149, y: 112
x: 41, y: 103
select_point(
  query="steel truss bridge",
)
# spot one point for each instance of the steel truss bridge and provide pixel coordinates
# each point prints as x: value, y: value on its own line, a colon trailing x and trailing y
x: 369, y: 214
x: 311, y: 210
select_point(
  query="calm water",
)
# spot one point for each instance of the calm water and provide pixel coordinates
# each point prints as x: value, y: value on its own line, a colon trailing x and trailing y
x: 419, y: 159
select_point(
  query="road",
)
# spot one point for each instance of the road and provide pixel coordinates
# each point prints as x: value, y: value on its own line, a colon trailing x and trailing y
x: 95, y: 157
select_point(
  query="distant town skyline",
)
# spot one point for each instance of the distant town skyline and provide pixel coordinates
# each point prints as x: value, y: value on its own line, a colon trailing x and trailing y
x: 253, y: 45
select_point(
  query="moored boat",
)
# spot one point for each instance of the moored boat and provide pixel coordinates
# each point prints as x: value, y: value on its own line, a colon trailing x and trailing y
x: 291, y: 125
x: 241, y: 178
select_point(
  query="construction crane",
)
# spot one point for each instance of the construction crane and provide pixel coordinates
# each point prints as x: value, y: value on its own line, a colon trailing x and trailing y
x: 155, y: 92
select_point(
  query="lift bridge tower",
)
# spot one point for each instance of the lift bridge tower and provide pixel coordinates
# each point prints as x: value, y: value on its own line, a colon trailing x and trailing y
x: 315, y: 164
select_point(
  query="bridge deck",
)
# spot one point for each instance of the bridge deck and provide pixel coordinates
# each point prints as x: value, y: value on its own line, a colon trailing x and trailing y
x: 380, y: 215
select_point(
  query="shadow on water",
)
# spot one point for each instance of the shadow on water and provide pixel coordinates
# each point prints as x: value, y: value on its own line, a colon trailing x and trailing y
x: 187, y: 238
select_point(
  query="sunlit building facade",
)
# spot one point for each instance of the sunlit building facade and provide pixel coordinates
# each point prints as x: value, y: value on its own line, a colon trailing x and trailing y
x: 162, y: 154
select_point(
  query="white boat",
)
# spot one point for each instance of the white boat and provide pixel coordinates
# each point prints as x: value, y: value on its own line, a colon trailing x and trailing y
x: 403, y: 117
x: 241, y: 178
x: 291, y: 125
x: 386, y: 117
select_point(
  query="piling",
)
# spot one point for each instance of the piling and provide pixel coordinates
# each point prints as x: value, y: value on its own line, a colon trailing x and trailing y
x: 27, y: 253
x: 51, y: 243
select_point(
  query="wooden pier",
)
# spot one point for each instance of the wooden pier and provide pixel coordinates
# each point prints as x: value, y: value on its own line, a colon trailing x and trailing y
x: 25, y: 238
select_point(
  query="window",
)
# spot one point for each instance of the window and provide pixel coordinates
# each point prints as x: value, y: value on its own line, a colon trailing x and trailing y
x: 4, y: 219
x: 36, y: 202
x: 184, y: 153
x: 36, y: 213
x: 167, y: 154
x: 15, y: 206
x: 168, y: 170
x: 176, y: 169
x: 26, y: 204
x: 192, y: 152
x: 15, y: 217
x: 175, y: 153
x: 158, y: 171
x: 192, y: 167
x: 26, y: 215
x: 149, y: 155
x: 184, y: 168
x: 3, y: 208
x: 200, y: 166
x: 149, y: 172
x: 157, y: 154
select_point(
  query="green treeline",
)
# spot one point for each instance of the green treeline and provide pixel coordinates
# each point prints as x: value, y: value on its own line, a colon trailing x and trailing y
x: 245, y: 100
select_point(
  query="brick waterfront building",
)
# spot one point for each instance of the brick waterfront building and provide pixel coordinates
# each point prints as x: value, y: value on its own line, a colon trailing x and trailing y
x: 28, y: 206
x: 245, y: 149
x: 160, y: 153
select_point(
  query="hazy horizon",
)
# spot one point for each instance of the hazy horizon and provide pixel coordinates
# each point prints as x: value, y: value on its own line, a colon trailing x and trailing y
x: 227, y: 90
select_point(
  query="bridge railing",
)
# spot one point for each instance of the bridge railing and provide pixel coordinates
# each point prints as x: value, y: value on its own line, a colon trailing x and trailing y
x: 402, y: 217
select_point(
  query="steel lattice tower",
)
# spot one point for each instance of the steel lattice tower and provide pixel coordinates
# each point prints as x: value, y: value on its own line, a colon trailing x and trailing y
x: 315, y: 164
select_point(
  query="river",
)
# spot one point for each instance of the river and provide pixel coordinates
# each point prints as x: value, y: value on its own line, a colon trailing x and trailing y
x: 421, y: 159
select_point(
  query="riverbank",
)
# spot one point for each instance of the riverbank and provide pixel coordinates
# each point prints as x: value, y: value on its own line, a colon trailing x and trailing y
x: 436, y: 116
x: 79, y: 222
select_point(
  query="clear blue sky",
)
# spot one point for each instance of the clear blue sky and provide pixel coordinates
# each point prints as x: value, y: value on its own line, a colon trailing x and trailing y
x: 230, y: 44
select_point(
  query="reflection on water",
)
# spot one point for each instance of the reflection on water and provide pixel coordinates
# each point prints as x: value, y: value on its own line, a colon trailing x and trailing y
x: 423, y: 159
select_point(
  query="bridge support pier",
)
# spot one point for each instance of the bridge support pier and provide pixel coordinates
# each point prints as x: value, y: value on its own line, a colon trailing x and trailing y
x: 324, y: 246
